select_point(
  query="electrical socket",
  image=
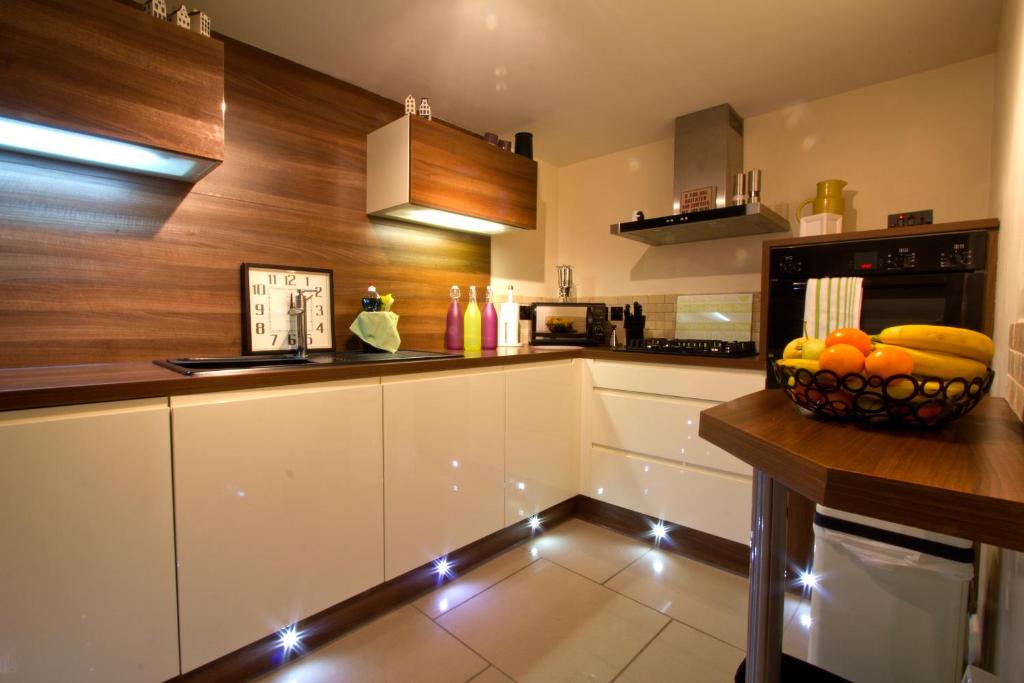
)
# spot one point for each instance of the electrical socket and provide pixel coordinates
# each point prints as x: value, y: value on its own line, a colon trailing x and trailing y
x: 906, y: 218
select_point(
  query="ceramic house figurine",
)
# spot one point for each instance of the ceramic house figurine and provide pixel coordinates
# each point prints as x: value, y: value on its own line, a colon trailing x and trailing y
x: 425, y: 109
x: 156, y: 8
x: 410, y: 105
x: 200, y: 21
x: 181, y: 18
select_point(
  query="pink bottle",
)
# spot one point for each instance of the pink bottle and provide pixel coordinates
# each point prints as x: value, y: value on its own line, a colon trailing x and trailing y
x: 489, y: 333
x: 453, y: 326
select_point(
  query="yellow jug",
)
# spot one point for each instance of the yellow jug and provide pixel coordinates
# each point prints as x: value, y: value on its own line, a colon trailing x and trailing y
x: 829, y: 199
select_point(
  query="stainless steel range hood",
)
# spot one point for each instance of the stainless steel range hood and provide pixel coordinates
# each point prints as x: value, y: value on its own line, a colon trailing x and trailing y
x: 708, y: 152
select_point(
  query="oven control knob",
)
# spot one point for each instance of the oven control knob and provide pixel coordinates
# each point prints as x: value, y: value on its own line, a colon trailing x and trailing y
x: 790, y: 266
x: 962, y: 257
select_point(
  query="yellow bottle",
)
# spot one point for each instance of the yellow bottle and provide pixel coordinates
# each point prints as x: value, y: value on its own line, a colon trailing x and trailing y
x: 471, y: 323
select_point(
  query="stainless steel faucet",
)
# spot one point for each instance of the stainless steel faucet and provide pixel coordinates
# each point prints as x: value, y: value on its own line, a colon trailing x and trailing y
x: 297, y: 308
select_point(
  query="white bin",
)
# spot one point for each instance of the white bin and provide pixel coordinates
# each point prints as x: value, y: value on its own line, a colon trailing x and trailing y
x: 891, y: 601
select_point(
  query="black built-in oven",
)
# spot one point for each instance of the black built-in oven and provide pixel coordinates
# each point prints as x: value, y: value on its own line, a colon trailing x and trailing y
x: 935, y: 279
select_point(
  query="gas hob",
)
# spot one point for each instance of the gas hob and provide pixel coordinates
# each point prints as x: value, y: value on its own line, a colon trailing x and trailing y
x: 692, y: 347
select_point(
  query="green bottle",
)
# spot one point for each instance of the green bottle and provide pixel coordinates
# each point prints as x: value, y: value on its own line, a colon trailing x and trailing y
x: 471, y: 323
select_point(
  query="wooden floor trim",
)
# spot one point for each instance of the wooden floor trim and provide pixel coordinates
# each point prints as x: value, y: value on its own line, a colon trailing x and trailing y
x: 265, y: 654
x: 681, y: 540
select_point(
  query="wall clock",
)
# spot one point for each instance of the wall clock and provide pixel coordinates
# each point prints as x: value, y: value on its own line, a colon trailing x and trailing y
x: 267, y: 324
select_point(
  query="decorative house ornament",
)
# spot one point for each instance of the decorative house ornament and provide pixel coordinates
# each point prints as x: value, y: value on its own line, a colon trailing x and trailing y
x: 200, y: 21
x: 156, y: 8
x: 425, y: 109
x: 181, y: 18
x: 410, y: 105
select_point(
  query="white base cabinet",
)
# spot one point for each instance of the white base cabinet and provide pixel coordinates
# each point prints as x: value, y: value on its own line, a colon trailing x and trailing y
x: 444, y: 462
x: 278, y: 500
x: 643, y: 450
x: 289, y: 500
x: 87, y: 544
x: 542, y: 465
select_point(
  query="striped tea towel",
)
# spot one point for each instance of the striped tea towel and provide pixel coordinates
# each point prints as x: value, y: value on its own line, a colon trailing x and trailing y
x: 832, y: 302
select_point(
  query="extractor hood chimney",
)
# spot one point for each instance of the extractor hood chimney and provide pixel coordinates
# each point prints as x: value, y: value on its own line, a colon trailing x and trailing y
x: 708, y: 153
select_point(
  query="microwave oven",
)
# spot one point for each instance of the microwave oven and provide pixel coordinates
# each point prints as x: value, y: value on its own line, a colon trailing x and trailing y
x: 570, y: 324
x: 941, y: 278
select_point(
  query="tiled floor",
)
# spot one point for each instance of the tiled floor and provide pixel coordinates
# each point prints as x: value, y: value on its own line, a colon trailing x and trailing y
x: 579, y: 603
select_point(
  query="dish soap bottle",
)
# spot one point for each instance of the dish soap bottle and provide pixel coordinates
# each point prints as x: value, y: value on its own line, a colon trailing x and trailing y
x: 371, y: 302
x: 453, y: 324
x: 471, y: 323
x: 508, y: 322
x: 489, y: 326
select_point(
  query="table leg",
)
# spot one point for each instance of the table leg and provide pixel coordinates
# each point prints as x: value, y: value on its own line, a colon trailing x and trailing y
x: 767, y: 580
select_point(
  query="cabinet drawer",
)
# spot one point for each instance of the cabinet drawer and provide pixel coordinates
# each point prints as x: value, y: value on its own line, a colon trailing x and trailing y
x: 712, y: 502
x: 657, y: 426
x: 711, y: 384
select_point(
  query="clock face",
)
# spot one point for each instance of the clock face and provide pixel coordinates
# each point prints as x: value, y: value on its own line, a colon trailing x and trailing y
x: 267, y: 296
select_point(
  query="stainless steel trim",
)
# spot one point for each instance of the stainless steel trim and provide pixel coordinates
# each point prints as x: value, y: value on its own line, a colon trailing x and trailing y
x: 767, y: 580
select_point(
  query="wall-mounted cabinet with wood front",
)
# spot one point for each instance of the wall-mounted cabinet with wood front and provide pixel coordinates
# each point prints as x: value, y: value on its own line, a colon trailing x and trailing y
x: 430, y: 173
x: 111, y: 71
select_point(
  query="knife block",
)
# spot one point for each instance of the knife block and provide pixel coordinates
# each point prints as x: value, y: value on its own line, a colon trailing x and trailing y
x: 635, y: 329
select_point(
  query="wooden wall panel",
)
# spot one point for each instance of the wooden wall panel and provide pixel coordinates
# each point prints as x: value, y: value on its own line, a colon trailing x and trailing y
x: 97, y: 265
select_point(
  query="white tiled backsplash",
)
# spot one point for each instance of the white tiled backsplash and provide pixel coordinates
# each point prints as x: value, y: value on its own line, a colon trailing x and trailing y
x: 1015, y: 367
x: 660, y: 310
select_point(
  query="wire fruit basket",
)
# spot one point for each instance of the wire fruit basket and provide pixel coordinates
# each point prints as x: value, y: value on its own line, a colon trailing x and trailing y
x: 900, y: 399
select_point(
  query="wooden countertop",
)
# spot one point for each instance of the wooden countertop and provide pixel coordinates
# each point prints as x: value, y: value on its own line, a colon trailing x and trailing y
x: 965, y: 478
x: 40, y: 387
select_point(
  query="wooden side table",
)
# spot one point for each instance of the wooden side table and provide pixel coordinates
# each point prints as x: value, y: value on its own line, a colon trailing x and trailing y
x: 964, y: 479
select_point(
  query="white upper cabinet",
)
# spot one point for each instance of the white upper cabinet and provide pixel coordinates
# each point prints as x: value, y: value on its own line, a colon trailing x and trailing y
x: 279, y: 505
x: 444, y: 458
x: 87, y: 544
x: 542, y: 464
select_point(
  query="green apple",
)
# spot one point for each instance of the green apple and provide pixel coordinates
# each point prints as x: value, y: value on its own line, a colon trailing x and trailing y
x: 795, y: 348
x: 813, y: 348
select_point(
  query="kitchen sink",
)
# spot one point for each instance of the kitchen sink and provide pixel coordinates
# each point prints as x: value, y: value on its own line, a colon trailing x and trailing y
x: 196, y: 366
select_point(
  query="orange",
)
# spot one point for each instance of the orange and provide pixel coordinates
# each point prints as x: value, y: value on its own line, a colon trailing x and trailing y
x: 851, y: 336
x: 842, y: 359
x: 889, y: 361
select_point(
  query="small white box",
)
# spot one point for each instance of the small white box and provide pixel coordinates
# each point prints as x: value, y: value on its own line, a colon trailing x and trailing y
x: 821, y: 224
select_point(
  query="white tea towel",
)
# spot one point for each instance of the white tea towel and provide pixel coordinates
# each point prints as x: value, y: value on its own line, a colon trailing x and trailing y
x: 832, y: 302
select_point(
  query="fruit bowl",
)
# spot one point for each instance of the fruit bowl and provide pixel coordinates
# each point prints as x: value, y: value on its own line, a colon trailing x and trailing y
x: 900, y: 399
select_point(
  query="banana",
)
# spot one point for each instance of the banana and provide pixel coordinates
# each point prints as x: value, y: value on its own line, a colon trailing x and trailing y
x: 799, y: 364
x: 942, y: 365
x: 952, y: 340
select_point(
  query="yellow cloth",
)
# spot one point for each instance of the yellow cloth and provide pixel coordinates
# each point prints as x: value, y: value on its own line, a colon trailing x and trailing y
x: 378, y: 328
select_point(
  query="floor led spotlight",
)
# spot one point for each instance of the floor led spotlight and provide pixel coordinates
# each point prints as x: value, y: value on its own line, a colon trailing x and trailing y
x: 534, y: 523
x: 289, y: 639
x: 443, y: 567
x: 808, y: 579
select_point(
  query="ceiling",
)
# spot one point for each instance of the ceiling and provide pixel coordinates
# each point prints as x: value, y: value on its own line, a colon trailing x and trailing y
x: 589, y: 77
